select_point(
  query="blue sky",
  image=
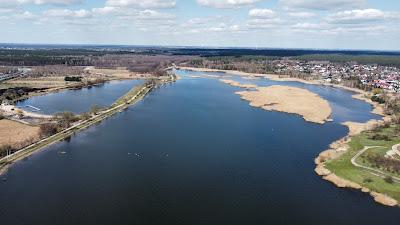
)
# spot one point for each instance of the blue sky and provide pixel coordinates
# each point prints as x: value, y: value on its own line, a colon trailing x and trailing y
x: 326, y: 24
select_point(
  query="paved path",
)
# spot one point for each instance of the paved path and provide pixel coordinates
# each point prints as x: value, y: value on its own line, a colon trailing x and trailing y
x: 374, y: 171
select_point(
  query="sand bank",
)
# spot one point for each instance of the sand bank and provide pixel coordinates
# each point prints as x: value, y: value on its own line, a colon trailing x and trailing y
x: 359, y: 94
x: 237, y: 84
x: 290, y: 100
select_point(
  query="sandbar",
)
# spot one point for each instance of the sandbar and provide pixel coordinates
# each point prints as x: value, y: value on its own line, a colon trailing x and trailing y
x: 288, y: 99
x: 237, y: 84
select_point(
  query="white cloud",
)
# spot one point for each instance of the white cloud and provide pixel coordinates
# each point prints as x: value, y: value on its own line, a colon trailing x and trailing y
x: 69, y: 14
x: 225, y: 28
x: 126, y: 13
x: 105, y: 10
x: 142, y: 3
x: 13, y: 3
x: 226, y: 3
x: 153, y: 15
x: 359, y: 16
x: 259, y: 24
x: 262, y: 13
x: 26, y: 15
x: 302, y: 15
x: 307, y: 26
x: 321, y: 5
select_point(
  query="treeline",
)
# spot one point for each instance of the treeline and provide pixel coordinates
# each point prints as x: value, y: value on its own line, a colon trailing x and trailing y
x: 384, y: 60
x: 56, y: 70
x: 12, y: 94
x: 249, y: 64
x: 73, y: 79
x: 387, y: 164
x: 42, y: 57
x: 154, y: 64
x: 72, y: 61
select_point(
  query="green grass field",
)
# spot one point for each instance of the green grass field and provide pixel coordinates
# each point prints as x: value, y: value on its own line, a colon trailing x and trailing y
x: 343, y: 167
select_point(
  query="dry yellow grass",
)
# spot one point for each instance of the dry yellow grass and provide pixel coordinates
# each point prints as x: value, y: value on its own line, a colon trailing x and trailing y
x: 41, y: 82
x: 118, y: 73
x: 17, y: 134
x: 237, y: 84
x: 300, y: 101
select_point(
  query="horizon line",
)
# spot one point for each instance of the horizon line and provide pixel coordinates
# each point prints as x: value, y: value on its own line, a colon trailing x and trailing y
x: 200, y: 47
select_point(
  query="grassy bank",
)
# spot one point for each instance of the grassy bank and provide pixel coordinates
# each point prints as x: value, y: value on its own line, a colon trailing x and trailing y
x: 382, y: 182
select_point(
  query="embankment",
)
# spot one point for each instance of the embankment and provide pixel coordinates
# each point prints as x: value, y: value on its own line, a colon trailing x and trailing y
x: 132, y: 97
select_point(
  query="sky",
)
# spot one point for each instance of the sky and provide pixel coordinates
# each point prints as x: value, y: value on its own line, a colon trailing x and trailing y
x: 311, y: 24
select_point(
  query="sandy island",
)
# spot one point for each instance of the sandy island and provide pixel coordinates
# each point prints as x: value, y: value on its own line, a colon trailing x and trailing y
x: 237, y: 84
x: 287, y: 99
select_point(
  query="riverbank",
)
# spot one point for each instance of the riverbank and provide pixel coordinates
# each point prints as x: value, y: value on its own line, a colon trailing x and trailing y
x: 133, y: 96
x: 339, y: 147
x: 276, y: 77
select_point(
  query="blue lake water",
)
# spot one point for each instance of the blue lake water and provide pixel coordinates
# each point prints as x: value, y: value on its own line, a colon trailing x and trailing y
x: 193, y: 153
x: 79, y: 100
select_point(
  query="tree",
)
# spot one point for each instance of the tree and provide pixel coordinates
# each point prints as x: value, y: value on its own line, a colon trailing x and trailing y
x: 95, y: 109
x: 85, y: 116
x: 48, y: 129
x: 65, y: 118
x: 5, y: 150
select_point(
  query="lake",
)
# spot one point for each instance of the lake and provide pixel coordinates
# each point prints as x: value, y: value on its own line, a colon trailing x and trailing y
x: 193, y: 153
x: 79, y: 100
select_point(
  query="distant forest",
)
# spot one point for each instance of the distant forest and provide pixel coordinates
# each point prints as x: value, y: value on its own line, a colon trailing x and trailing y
x: 93, y: 55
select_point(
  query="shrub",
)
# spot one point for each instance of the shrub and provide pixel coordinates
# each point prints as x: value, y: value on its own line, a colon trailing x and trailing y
x: 380, y: 137
x: 377, y: 91
x: 1, y: 116
x: 66, y: 118
x: 85, y: 116
x: 74, y: 79
x: 48, y: 129
x: 388, y: 179
x: 367, y: 180
x: 378, y: 99
x: 95, y: 109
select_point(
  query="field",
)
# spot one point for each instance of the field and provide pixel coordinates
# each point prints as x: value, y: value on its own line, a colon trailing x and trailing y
x: 33, y: 82
x: 344, y: 168
x: 16, y: 134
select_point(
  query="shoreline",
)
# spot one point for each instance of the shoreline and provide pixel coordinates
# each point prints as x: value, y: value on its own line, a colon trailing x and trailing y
x: 338, y: 147
x: 53, y: 90
x: 131, y: 97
